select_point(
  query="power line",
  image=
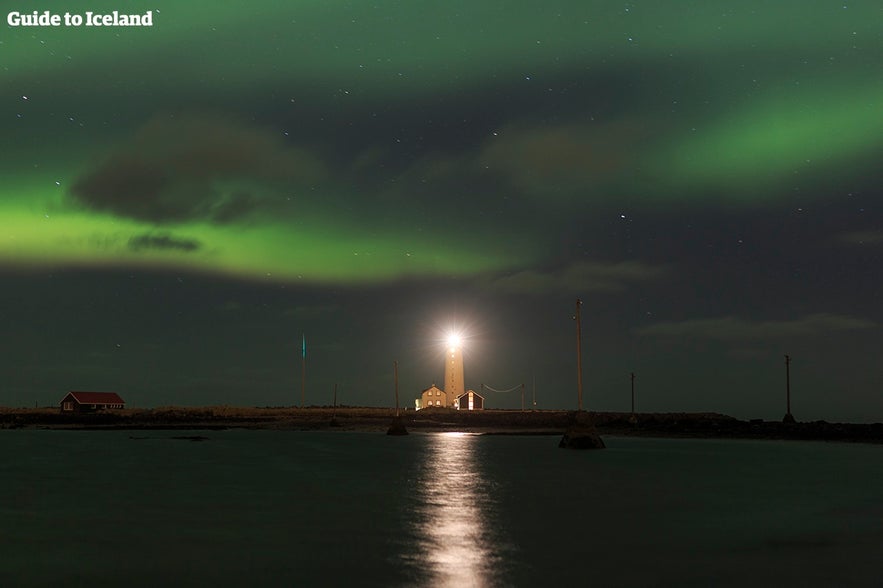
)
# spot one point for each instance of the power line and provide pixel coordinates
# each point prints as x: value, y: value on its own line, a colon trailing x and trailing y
x: 512, y: 389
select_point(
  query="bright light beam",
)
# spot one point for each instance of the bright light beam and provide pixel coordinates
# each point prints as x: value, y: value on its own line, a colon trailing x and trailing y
x: 454, y: 339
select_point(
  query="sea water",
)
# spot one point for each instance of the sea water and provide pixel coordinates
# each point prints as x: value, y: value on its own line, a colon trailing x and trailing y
x: 285, y: 508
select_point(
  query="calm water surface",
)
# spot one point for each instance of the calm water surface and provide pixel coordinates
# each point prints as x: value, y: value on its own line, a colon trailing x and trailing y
x: 281, y: 508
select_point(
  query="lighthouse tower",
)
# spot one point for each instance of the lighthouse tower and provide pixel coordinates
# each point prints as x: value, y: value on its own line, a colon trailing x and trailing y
x: 454, y: 385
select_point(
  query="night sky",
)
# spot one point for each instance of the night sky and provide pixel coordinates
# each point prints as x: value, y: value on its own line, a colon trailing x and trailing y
x: 180, y: 204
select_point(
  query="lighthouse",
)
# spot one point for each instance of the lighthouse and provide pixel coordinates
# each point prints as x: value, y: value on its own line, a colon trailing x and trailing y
x: 454, y: 382
x: 455, y: 395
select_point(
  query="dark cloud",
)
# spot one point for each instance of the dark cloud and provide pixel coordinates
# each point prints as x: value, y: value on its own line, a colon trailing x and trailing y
x: 163, y: 241
x: 94, y: 241
x: 861, y: 238
x: 319, y: 311
x: 732, y: 328
x: 234, y: 206
x: 566, y: 158
x: 178, y: 168
x: 588, y: 276
x: 128, y: 185
x: 229, y: 306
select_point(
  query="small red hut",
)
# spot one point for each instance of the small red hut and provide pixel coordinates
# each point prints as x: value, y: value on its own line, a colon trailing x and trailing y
x: 91, y: 401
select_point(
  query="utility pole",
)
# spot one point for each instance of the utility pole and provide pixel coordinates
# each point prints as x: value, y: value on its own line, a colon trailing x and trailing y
x: 396, y: 427
x: 579, y: 358
x: 633, y: 393
x: 534, y: 390
x: 581, y: 433
x: 303, y: 371
x: 334, y: 422
x: 522, y: 397
x: 395, y: 367
x: 789, y: 418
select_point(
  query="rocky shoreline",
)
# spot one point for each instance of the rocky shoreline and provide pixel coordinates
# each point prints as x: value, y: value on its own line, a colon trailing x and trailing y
x: 507, y: 422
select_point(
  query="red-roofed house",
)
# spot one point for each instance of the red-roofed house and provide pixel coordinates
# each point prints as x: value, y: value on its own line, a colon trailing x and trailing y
x: 90, y: 401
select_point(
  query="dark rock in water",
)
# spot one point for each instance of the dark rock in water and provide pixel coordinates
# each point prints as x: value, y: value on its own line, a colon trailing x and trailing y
x: 581, y: 434
x: 397, y: 427
x: 581, y: 439
x: 788, y: 418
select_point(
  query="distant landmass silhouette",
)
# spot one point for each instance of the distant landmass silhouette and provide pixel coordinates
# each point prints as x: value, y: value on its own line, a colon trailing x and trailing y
x: 510, y: 422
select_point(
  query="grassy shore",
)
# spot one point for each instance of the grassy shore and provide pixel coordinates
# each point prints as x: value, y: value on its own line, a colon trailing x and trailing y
x: 551, y: 422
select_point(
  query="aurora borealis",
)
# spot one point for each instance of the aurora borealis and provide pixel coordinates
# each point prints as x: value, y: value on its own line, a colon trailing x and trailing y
x: 179, y: 203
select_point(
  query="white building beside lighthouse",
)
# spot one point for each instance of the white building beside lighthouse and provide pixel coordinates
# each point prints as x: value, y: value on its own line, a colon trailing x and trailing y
x: 455, y: 395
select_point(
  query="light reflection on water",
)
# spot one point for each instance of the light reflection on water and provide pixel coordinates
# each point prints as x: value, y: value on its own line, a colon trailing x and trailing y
x: 455, y: 544
x: 284, y: 508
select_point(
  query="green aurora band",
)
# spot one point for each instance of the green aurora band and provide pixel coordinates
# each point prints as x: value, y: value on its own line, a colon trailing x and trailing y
x: 763, y: 89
